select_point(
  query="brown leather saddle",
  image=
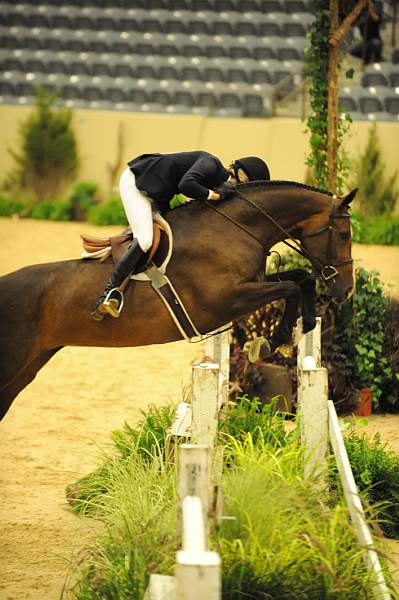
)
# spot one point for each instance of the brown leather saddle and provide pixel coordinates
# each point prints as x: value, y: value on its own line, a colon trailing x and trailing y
x: 114, y: 246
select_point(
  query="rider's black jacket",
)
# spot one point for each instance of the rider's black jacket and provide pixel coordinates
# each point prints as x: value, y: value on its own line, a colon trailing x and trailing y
x: 193, y: 174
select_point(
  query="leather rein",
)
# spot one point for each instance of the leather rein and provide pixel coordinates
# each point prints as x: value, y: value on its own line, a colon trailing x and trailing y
x: 327, y: 272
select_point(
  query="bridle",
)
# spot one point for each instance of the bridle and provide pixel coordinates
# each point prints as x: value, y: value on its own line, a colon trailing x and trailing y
x: 327, y: 272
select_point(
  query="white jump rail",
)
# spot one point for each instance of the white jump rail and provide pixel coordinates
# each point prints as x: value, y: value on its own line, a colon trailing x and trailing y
x: 198, y: 420
x: 318, y: 423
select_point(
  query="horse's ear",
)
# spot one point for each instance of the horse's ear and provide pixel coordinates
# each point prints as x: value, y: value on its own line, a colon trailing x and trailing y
x: 348, y: 198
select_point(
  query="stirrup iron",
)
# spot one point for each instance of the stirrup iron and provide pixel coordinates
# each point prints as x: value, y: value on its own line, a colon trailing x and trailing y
x: 113, y: 306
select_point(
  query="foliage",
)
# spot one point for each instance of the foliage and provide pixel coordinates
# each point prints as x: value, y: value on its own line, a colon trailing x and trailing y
x: 52, y: 210
x: 108, y: 213
x: 262, y: 422
x: 47, y: 157
x: 377, y: 194
x: 376, y: 471
x: 317, y: 76
x: 389, y: 399
x: 283, y: 540
x: 377, y: 229
x: 82, y: 199
x: 10, y: 207
x: 147, y: 440
x: 371, y: 365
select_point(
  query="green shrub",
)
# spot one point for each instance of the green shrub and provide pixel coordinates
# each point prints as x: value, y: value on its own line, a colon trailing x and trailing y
x: 283, y: 540
x: 376, y: 471
x: 82, y: 199
x: 10, y: 207
x: 378, y: 229
x: 53, y: 210
x: 377, y: 194
x: 46, y: 157
x: 108, y: 213
x: 147, y: 439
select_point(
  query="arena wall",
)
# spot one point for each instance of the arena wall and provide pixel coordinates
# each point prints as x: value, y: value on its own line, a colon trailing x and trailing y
x: 282, y: 142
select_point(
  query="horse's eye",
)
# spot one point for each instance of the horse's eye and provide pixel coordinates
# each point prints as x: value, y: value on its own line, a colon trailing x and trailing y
x: 344, y: 235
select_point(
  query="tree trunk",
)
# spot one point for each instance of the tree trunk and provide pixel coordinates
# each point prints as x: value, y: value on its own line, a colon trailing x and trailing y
x: 337, y: 32
x: 332, y: 102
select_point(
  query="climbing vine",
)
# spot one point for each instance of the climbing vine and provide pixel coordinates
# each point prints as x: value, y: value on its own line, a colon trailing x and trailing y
x: 318, y: 76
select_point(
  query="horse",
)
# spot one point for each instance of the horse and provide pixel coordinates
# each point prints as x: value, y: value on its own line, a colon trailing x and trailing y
x: 217, y: 268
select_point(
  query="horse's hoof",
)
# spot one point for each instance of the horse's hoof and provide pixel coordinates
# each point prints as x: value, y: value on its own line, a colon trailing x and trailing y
x: 308, y: 325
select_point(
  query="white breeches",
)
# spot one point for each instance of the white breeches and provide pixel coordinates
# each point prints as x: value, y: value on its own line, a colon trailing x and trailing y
x: 138, y: 209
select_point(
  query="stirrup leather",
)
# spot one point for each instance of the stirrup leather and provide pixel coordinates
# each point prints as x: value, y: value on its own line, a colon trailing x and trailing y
x: 113, y: 306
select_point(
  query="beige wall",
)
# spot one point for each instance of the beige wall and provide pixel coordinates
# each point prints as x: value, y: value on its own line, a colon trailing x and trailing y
x: 282, y: 142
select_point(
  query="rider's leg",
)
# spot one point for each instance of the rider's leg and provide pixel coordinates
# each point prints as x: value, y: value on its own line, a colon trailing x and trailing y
x: 139, y: 214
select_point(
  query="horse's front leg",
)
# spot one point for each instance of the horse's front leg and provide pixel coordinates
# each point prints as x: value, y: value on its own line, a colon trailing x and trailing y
x: 308, y: 294
x: 252, y: 295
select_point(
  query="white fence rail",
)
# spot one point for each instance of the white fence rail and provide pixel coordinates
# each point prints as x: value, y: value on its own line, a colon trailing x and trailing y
x: 319, y: 423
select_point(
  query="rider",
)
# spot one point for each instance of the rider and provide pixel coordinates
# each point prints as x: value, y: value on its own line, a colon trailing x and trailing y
x: 151, y: 180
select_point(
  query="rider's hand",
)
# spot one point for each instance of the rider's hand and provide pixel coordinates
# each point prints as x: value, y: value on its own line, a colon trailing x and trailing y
x: 225, y: 190
x: 213, y: 196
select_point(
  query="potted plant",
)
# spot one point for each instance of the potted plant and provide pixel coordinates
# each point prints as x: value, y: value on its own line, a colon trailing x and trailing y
x: 370, y: 364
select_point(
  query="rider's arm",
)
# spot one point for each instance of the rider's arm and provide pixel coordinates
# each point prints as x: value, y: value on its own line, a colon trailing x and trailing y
x: 195, y: 182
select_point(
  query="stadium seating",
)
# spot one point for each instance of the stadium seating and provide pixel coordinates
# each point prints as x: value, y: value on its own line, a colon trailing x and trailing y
x: 221, y: 57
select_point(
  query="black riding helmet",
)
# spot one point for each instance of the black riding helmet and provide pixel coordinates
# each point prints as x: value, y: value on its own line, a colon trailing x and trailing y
x: 255, y: 168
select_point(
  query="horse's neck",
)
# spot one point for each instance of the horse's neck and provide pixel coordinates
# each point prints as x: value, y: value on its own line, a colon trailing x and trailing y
x: 290, y: 207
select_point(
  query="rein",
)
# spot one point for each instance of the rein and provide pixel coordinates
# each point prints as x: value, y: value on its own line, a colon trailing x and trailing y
x: 326, y: 272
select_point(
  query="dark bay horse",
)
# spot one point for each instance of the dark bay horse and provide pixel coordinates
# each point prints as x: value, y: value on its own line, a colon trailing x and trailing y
x: 217, y: 268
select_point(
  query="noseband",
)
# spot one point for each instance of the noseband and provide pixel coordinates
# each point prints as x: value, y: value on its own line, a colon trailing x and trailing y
x: 327, y: 272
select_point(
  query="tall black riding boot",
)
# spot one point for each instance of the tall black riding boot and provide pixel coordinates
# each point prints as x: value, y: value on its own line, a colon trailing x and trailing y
x: 111, y: 301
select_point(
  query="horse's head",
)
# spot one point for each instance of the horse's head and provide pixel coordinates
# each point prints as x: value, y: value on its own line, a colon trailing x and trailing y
x: 329, y: 246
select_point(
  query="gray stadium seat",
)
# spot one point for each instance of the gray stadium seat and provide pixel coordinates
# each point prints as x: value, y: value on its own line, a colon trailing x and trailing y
x: 348, y: 104
x: 215, y: 74
x: 374, y: 79
x: 272, y: 6
x: 296, y: 6
x: 391, y: 103
x: 394, y: 78
x: 395, y: 56
x: 200, y: 23
x: 255, y: 105
x: 229, y: 104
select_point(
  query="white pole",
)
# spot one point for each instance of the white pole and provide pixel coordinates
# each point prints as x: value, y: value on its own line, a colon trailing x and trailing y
x: 205, y: 403
x: 313, y: 417
x: 355, y: 505
x: 195, y: 479
x: 217, y: 347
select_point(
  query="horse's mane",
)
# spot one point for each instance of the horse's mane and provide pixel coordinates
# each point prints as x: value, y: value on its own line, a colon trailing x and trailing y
x: 277, y: 183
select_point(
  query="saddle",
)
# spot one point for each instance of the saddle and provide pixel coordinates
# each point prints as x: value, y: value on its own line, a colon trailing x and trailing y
x: 114, y: 246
